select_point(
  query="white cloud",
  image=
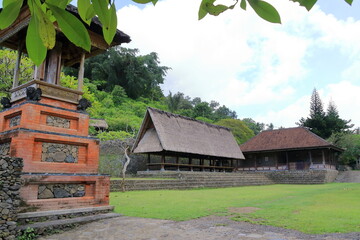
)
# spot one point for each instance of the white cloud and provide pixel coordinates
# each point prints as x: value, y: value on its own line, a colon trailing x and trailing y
x: 237, y: 58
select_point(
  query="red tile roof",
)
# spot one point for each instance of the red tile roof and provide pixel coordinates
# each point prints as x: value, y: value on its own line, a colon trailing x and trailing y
x: 285, y: 139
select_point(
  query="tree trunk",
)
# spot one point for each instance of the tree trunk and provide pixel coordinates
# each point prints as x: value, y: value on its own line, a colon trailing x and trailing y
x: 124, y: 169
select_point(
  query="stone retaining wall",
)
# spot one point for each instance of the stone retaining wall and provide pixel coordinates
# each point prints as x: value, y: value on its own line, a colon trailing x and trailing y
x: 303, y: 177
x: 10, y: 183
x: 188, y: 180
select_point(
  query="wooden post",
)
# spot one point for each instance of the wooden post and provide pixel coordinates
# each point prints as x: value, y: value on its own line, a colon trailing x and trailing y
x: 287, y: 161
x: 148, y: 162
x: 177, y: 163
x: 255, y: 163
x: 323, y: 157
x: 276, y: 161
x: 162, y: 162
x: 190, y: 163
x: 202, y: 164
x: 17, y: 65
x: 81, y: 72
x: 310, y: 159
x: 53, y: 65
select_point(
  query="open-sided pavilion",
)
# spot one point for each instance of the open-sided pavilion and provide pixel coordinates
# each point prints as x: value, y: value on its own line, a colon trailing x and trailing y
x: 174, y: 142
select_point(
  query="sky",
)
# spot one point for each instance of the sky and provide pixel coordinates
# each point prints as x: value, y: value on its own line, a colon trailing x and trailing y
x: 261, y: 70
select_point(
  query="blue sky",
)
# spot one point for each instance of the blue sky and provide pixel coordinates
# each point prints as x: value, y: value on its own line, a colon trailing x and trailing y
x: 261, y: 70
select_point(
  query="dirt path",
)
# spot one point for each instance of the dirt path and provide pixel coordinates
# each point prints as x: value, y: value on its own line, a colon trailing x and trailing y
x: 209, y: 228
x: 348, y: 177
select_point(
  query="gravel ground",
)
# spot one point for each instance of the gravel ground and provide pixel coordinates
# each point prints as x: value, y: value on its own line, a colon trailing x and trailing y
x: 209, y: 228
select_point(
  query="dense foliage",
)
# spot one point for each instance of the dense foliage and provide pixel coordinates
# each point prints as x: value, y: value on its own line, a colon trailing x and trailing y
x: 121, y: 84
x: 322, y: 123
x: 351, y: 145
x: 239, y: 129
x: 7, y: 65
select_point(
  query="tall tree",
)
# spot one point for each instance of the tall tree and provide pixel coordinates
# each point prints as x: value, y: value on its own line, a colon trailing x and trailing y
x: 256, y: 127
x: 238, y: 128
x: 139, y: 75
x: 321, y: 123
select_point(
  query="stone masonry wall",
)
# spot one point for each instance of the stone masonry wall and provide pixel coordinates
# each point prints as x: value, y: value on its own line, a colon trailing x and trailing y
x: 188, y: 180
x: 15, y: 121
x: 4, y: 149
x: 10, y: 183
x: 55, y: 152
x: 303, y: 177
x: 57, y: 122
x: 47, y: 191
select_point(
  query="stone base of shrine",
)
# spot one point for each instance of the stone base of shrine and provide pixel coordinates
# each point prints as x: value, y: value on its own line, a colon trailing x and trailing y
x: 43, y: 192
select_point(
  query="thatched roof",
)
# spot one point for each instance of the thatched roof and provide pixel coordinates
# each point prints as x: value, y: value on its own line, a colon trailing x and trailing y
x: 285, y: 139
x: 166, y: 132
x: 99, y: 123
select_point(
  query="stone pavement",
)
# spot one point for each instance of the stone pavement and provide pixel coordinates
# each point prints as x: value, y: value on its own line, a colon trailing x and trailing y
x: 209, y: 228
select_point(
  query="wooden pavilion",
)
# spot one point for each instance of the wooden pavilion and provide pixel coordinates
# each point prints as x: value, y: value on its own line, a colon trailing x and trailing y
x: 288, y: 149
x: 174, y: 142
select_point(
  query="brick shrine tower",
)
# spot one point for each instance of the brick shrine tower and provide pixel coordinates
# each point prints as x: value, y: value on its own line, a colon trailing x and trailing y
x: 50, y: 133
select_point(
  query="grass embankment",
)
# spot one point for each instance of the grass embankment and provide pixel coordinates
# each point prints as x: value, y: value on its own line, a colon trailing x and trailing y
x: 327, y: 208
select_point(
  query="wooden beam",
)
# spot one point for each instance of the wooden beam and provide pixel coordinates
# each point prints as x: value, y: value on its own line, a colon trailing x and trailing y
x: 17, y: 65
x: 287, y: 161
x: 148, y: 161
x: 162, y: 162
x: 81, y: 72
x: 177, y: 162
x: 323, y: 157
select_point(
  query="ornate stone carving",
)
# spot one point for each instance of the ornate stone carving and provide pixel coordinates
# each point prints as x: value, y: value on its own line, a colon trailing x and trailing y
x: 83, y: 104
x: 5, y: 102
x: 47, y: 191
x: 15, y: 121
x: 61, y: 153
x: 33, y: 94
x: 57, y: 122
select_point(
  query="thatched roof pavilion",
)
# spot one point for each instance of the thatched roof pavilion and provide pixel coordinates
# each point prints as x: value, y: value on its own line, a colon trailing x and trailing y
x: 182, y: 142
x: 287, y: 149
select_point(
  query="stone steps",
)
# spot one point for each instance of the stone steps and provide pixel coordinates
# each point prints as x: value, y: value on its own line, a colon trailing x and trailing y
x: 47, y: 227
x: 45, y: 222
x: 193, y: 180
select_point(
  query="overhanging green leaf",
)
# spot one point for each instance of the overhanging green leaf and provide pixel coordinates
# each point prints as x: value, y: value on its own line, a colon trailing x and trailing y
x: 90, y: 13
x: 102, y: 11
x: 9, y: 13
x: 349, y: 2
x: 45, y: 27
x: 308, y: 4
x: 59, y: 3
x: 203, y: 9
x: 35, y: 48
x: 265, y: 10
x: 83, y: 8
x: 243, y: 4
x: 109, y: 32
x: 72, y: 27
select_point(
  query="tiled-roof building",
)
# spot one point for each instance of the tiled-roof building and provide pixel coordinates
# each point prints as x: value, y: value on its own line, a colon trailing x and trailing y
x: 288, y: 149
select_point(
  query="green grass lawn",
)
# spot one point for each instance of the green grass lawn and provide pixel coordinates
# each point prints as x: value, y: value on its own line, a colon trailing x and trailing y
x: 327, y: 208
